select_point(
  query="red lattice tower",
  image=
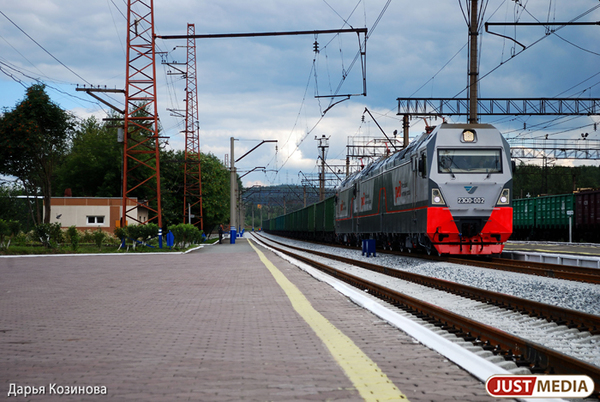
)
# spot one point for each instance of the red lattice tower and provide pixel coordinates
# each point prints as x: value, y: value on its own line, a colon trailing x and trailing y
x: 192, y: 178
x: 141, y: 165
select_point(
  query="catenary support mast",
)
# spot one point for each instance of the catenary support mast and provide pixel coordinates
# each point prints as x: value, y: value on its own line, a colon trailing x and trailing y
x: 473, y: 63
x: 141, y: 164
x: 192, y: 196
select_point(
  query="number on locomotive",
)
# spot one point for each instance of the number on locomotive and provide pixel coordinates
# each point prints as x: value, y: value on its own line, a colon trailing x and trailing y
x: 471, y: 200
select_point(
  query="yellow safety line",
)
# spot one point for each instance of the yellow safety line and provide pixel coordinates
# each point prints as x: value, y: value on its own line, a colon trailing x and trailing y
x: 367, y: 377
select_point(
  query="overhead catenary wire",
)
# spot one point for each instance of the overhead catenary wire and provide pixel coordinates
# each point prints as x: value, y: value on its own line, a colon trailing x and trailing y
x: 313, y: 71
x: 44, y: 49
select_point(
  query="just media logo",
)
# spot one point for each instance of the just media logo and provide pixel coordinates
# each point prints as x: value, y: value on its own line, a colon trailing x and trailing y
x: 470, y: 189
x: 539, y: 386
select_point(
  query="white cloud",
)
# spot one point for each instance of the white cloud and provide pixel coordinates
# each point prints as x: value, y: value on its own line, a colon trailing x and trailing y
x: 254, y: 88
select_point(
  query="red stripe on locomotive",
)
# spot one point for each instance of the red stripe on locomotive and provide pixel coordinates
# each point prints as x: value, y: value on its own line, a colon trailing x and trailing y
x: 443, y: 233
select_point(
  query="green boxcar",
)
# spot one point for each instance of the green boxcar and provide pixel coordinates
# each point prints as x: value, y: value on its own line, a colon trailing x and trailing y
x: 524, y: 213
x: 310, y: 218
x: 315, y: 218
x: 330, y: 214
x: 303, y: 219
x: 280, y: 223
x: 551, y: 211
x: 320, y: 216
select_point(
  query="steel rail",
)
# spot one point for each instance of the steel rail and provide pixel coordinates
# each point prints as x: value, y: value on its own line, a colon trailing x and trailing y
x: 559, y: 315
x: 538, y: 357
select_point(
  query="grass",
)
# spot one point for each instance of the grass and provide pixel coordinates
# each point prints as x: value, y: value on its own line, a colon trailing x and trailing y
x: 90, y: 248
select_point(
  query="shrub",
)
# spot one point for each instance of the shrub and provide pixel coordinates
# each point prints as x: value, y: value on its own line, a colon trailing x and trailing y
x: 99, y: 237
x: 185, y: 234
x: 4, y: 232
x: 73, y: 237
x: 137, y: 232
x: 148, y: 231
x: 22, y: 238
x: 8, y: 230
x: 87, y: 237
x: 49, y: 234
x: 121, y: 233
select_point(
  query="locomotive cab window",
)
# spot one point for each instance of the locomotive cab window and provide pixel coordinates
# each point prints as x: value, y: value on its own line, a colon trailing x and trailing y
x: 422, y: 165
x: 469, y: 161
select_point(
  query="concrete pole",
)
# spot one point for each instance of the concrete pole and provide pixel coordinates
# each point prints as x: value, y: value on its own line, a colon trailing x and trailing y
x: 304, y: 194
x: 473, y: 63
x: 347, y: 167
x: 405, y: 126
x: 322, y: 176
x: 232, y: 189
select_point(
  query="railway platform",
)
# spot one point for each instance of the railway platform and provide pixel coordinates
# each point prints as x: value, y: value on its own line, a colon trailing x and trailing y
x: 575, y: 254
x: 228, y: 322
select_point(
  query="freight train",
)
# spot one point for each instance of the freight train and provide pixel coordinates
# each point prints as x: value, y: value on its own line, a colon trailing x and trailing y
x: 449, y: 192
x: 550, y: 217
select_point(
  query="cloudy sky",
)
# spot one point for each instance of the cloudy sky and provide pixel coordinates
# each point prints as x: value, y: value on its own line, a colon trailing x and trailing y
x: 256, y: 89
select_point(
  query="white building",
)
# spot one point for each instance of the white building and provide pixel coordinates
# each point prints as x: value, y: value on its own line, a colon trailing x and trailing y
x: 92, y: 212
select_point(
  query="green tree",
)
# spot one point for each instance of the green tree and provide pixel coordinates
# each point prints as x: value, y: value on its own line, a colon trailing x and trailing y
x: 92, y: 168
x: 215, y: 192
x: 215, y: 189
x: 537, y: 180
x: 19, y: 209
x: 171, y: 181
x: 34, y: 136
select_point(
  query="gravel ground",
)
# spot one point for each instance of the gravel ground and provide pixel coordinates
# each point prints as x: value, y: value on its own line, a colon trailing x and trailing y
x: 568, y: 294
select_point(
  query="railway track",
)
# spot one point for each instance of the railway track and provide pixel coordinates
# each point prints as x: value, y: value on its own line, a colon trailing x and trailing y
x: 523, y: 352
x: 567, y: 272
x: 579, y: 274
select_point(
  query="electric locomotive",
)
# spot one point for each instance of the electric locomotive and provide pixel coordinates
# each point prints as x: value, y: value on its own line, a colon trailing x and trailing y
x: 449, y: 191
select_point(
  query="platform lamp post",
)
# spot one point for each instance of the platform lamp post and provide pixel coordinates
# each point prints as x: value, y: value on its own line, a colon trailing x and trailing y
x: 233, y: 195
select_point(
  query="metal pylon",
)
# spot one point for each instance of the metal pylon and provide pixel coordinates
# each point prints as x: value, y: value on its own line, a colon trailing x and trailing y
x: 141, y: 164
x: 192, y: 198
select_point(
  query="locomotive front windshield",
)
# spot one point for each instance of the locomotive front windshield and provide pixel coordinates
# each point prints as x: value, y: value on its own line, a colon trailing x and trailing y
x: 469, y: 161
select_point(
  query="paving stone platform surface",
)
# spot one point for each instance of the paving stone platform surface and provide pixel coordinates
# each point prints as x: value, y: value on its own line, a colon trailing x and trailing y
x: 211, y: 325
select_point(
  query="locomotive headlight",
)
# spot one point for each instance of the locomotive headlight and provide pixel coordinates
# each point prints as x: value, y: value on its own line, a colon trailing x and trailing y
x: 468, y: 136
x: 504, y: 197
x: 436, y: 197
